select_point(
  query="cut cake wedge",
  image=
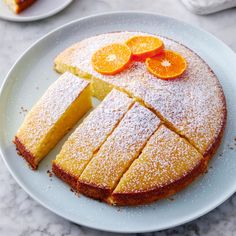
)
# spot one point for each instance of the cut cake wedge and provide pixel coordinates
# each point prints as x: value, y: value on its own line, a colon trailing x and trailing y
x: 167, y: 164
x: 58, y: 110
x: 115, y: 156
x: 89, y: 136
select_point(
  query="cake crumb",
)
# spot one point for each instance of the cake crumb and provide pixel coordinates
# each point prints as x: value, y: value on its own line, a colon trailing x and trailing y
x: 50, y: 174
x: 75, y: 192
x: 171, y: 199
x: 119, y: 209
x: 23, y: 110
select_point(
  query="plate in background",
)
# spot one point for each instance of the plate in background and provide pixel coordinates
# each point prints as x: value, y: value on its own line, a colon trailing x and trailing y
x: 39, y: 10
x: 33, y: 73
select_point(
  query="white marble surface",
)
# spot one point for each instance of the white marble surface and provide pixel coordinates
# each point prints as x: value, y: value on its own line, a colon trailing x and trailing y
x: 19, y: 214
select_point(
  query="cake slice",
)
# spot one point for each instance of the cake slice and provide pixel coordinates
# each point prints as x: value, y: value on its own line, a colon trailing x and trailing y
x: 89, y: 136
x: 166, y: 165
x: 58, y: 110
x: 114, y: 157
x: 19, y: 5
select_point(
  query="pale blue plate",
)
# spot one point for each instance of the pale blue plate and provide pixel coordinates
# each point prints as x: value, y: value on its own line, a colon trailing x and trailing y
x: 38, y: 11
x: 33, y: 73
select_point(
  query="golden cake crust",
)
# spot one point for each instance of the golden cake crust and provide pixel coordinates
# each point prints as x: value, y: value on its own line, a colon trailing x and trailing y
x: 146, y: 197
x: 64, y: 175
x: 93, y: 191
x: 217, y: 140
x: 20, y: 147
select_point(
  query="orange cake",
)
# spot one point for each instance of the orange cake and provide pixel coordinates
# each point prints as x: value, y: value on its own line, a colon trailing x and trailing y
x: 193, y: 104
x: 18, y: 6
x: 120, y: 149
x: 58, y: 110
x: 89, y: 136
x: 167, y: 164
x: 162, y: 118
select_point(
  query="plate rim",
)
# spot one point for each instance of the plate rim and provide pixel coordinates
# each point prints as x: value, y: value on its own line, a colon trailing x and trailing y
x: 183, y: 220
x: 18, y: 18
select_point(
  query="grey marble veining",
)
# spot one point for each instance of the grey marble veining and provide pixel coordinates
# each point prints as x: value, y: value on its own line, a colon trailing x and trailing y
x: 22, y: 216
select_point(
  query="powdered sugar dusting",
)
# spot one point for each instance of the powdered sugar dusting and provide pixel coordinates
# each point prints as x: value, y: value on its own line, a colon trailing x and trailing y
x: 47, y: 111
x: 89, y: 136
x: 193, y: 104
x: 165, y: 159
x: 121, y: 148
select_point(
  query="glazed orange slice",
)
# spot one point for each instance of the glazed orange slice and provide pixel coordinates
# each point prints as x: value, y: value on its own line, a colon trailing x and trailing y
x: 167, y: 65
x: 144, y: 46
x: 111, y: 59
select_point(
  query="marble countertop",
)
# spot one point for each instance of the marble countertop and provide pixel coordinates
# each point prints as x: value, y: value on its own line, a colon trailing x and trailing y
x: 22, y: 216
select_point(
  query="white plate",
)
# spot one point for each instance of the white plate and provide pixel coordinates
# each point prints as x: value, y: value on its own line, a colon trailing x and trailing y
x: 33, y: 73
x: 39, y: 10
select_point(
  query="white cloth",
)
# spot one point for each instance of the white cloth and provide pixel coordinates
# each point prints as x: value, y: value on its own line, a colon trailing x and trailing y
x: 208, y: 6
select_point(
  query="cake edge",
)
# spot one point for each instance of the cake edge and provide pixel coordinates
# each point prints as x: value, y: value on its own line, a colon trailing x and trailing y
x: 87, y: 189
x: 150, y: 196
x: 93, y: 191
x: 64, y: 176
x: 211, y: 150
x: 25, y: 154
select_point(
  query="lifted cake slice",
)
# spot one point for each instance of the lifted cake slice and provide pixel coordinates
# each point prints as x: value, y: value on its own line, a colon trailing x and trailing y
x: 58, y: 110
x: 166, y: 165
x: 114, y: 157
x: 89, y: 136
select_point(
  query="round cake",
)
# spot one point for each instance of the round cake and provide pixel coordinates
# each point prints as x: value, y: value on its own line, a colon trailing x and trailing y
x: 192, y: 113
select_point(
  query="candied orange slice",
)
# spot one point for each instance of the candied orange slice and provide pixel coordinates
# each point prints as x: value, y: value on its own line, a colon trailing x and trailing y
x: 111, y: 59
x: 166, y: 65
x: 144, y: 46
